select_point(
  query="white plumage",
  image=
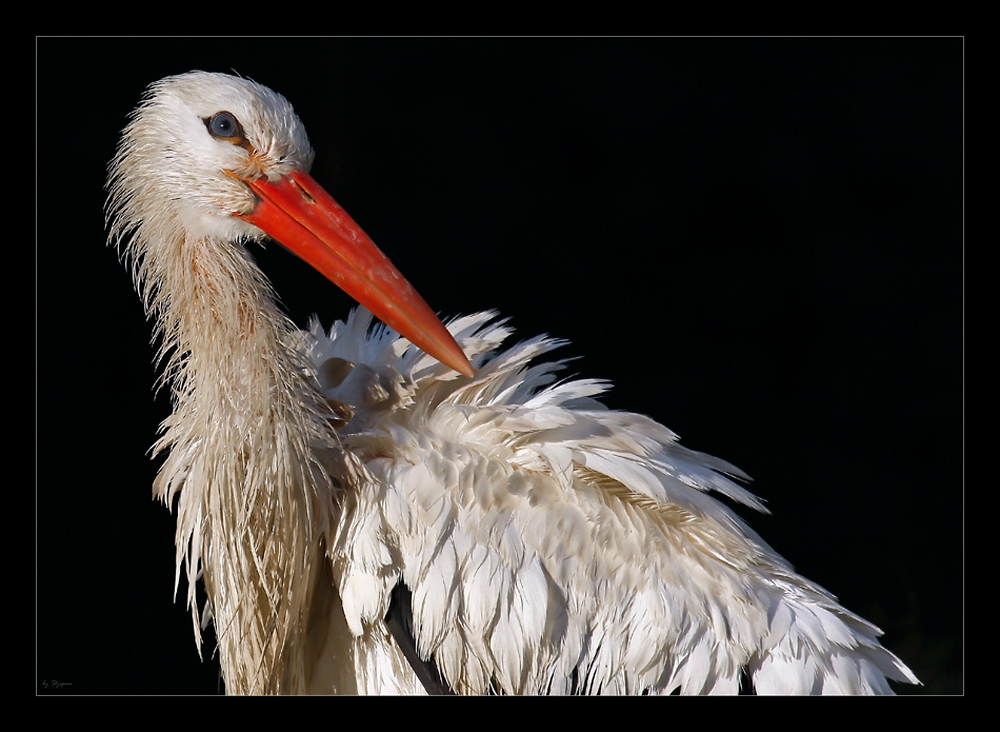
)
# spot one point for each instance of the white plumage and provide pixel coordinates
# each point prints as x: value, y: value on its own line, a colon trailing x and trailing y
x: 549, y: 545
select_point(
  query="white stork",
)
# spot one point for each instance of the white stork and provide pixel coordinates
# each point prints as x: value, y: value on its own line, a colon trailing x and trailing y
x: 369, y: 518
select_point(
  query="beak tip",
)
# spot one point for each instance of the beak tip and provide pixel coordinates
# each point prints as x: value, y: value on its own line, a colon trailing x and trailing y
x: 452, y: 356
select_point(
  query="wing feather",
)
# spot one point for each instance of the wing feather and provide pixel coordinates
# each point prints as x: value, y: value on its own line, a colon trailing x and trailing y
x: 552, y: 545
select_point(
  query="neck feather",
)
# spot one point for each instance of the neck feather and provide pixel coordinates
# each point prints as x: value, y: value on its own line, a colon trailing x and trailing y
x: 253, y: 503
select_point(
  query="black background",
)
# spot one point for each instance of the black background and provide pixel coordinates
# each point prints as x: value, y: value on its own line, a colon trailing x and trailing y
x: 759, y: 241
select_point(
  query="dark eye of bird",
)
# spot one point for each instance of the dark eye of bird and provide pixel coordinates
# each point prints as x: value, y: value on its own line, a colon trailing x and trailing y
x: 225, y: 126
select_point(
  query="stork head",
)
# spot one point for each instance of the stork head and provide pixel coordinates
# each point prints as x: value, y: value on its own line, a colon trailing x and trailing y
x: 213, y: 156
x: 190, y: 146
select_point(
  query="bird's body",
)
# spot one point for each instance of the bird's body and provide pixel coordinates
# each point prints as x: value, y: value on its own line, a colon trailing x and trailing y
x: 546, y: 544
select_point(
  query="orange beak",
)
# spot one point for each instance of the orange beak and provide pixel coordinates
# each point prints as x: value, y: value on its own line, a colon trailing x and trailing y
x: 304, y: 218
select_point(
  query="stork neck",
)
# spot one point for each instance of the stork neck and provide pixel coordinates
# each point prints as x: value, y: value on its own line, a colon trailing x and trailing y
x: 253, y: 502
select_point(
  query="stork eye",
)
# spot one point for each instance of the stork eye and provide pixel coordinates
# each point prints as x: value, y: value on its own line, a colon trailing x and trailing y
x: 224, y: 126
